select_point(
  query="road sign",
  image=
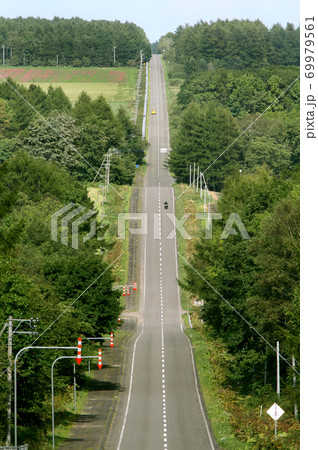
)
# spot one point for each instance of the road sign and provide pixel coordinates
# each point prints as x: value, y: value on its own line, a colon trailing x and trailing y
x: 275, y: 411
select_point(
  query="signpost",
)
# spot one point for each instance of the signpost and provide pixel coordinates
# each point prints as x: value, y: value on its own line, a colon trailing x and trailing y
x: 275, y: 412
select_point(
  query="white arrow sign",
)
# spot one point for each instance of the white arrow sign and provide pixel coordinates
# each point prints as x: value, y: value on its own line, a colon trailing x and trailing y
x: 275, y: 411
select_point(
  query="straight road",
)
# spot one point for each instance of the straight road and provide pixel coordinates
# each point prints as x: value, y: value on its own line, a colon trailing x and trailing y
x: 161, y: 408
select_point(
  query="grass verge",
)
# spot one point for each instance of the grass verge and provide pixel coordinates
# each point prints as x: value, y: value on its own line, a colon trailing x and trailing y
x: 66, y: 415
x: 118, y: 200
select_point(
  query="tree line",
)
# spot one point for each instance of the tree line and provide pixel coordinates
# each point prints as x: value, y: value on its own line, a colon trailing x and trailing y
x: 235, y: 44
x: 215, y: 107
x: 42, y: 42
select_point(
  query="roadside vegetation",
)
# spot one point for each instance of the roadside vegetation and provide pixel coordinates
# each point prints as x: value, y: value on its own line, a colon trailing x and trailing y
x: 47, y: 161
x: 218, y: 107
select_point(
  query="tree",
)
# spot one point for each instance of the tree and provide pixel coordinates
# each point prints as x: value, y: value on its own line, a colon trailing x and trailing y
x: 264, y: 150
x: 54, y: 140
x: 188, y: 143
x: 6, y: 117
x: 57, y: 100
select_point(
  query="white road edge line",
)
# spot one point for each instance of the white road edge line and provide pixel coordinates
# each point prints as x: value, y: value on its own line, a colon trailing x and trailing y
x: 189, y: 342
x: 135, y: 344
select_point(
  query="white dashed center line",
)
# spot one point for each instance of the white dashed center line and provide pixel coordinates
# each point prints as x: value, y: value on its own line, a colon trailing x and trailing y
x: 163, y: 381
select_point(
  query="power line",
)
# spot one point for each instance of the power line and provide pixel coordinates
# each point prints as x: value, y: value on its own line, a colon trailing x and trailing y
x: 238, y: 313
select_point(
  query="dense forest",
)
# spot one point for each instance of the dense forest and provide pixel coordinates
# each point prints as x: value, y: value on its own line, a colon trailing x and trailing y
x: 235, y: 44
x: 42, y: 278
x: 218, y: 105
x: 42, y: 42
x: 236, y: 116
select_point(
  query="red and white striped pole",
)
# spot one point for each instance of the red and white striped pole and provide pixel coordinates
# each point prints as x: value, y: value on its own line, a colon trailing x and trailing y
x: 118, y: 320
x: 134, y: 286
x: 111, y: 340
x: 100, y: 365
x: 127, y: 289
x: 124, y: 291
x: 79, y: 351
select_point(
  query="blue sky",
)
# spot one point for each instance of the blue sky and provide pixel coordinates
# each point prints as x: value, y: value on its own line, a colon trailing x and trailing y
x: 158, y: 17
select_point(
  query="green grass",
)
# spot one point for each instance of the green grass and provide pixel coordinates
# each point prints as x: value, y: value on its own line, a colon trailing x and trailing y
x: 118, y: 86
x: 115, y: 93
x: 173, y: 81
x: 217, y: 415
x: 117, y: 201
x: 190, y: 202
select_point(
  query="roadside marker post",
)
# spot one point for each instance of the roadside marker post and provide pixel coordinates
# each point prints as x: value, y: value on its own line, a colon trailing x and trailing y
x: 127, y: 289
x: 134, y: 286
x: 119, y: 320
x: 111, y: 340
x: 100, y: 365
x: 79, y: 351
x: 124, y: 290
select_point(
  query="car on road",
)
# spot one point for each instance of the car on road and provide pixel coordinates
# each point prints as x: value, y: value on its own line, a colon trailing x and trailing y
x: 153, y: 112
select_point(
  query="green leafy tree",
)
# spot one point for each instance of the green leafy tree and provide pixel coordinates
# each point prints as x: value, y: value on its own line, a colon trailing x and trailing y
x: 54, y: 140
x: 264, y: 150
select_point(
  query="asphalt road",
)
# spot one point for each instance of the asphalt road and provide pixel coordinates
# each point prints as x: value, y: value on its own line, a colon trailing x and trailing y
x: 161, y: 407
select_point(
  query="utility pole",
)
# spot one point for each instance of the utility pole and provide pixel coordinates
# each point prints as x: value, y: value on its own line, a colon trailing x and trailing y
x: 106, y: 176
x: 9, y: 324
x: 8, y: 441
x: 74, y: 373
x: 3, y: 56
x: 114, y: 50
x: 294, y: 386
x: 198, y: 171
x: 278, y: 374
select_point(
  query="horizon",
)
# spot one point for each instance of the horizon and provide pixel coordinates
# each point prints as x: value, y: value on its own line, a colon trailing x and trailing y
x: 158, y: 20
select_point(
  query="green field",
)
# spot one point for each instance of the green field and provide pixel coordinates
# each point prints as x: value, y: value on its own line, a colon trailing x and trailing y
x: 118, y: 86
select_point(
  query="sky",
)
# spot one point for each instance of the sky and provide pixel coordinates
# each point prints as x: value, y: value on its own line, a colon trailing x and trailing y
x: 161, y: 16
